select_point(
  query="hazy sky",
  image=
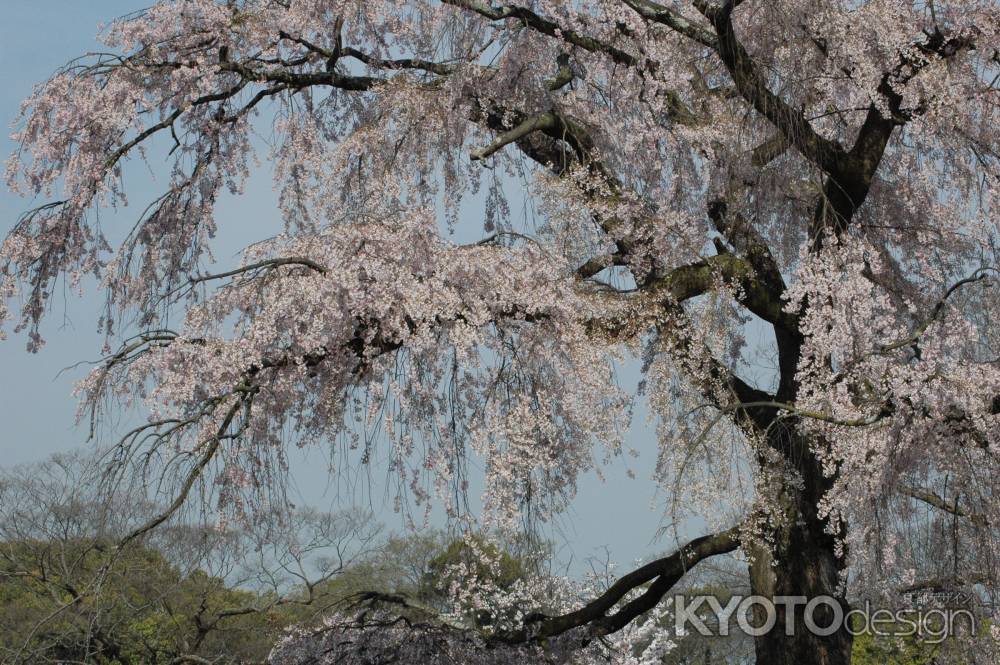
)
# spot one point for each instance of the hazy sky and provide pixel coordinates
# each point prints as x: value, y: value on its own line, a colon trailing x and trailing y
x: 36, y: 405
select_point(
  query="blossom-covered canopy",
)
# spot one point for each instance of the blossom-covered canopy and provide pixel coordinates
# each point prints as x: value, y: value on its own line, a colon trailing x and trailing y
x: 825, y: 171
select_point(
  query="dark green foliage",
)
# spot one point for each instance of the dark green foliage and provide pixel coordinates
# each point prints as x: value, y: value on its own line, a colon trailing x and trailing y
x: 81, y: 601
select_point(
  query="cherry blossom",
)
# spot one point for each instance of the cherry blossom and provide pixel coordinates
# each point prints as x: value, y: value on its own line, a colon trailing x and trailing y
x: 825, y: 171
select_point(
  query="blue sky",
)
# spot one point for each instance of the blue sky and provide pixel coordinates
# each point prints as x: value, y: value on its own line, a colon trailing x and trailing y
x: 37, y: 408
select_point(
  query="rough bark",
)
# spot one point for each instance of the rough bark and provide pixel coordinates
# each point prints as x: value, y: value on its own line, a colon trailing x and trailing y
x: 801, y: 562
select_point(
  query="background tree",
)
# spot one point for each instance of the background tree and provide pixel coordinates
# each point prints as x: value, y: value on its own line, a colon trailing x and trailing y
x: 823, y: 174
x: 189, y: 593
x: 72, y: 592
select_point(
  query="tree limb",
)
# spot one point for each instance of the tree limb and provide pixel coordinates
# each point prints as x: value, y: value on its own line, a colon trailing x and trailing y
x: 545, y: 26
x: 664, y: 573
x: 657, y: 13
x: 937, y: 501
x: 796, y: 129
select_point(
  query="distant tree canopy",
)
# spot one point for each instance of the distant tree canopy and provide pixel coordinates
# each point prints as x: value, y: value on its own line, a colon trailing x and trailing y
x: 150, y: 612
x: 147, y: 610
x: 82, y: 582
x: 75, y: 589
x: 71, y: 593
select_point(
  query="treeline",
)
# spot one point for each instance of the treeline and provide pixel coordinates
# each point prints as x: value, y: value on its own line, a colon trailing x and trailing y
x: 82, y: 601
x: 187, y: 592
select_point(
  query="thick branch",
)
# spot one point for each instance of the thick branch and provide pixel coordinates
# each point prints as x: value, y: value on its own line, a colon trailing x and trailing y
x: 741, y: 234
x: 400, y: 63
x: 540, y: 122
x: 545, y: 26
x: 753, y: 292
x: 664, y: 573
x: 267, y: 263
x: 657, y: 13
x: 848, y: 184
x: 303, y: 79
x: 717, y: 382
x: 937, y: 501
x: 751, y: 84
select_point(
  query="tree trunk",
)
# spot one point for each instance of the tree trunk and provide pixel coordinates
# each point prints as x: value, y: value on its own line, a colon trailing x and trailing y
x: 800, y: 562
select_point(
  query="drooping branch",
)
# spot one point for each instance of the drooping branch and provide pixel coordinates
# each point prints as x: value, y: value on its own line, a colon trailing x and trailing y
x: 211, y: 447
x: 810, y: 414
